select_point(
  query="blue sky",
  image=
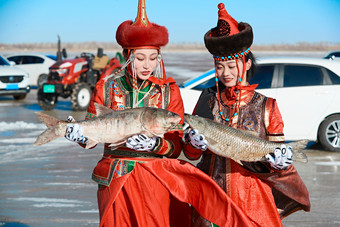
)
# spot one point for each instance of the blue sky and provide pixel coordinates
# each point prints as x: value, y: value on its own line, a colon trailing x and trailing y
x: 273, y: 21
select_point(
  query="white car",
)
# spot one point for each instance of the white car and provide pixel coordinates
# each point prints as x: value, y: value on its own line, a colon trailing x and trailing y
x: 333, y: 55
x: 37, y: 65
x: 13, y: 81
x: 307, y: 91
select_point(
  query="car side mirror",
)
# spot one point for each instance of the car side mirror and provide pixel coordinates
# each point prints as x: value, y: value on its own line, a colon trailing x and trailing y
x: 12, y: 63
x: 332, y: 57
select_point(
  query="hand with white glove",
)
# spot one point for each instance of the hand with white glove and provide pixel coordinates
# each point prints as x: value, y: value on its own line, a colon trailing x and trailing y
x: 75, y: 132
x: 197, y: 140
x: 283, y: 157
x: 141, y: 142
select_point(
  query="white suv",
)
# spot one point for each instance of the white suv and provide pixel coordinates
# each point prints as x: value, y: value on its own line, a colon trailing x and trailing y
x: 37, y: 65
x: 13, y: 81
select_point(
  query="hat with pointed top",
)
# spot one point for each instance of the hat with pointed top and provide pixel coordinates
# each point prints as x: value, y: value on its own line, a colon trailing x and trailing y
x: 229, y: 39
x: 141, y: 33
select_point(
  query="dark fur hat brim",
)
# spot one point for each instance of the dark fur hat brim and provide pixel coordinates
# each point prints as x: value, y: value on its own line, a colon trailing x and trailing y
x: 229, y: 45
x: 129, y: 35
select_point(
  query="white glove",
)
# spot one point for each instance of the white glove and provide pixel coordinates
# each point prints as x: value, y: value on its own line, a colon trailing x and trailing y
x: 197, y: 140
x: 141, y: 142
x: 283, y: 157
x: 75, y: 132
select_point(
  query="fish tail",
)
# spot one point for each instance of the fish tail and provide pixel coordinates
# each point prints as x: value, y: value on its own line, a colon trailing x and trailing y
x: 51, y: 133
x: 297, y: 148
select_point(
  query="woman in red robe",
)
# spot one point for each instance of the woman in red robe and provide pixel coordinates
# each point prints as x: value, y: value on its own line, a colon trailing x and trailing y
x: 265, y: 191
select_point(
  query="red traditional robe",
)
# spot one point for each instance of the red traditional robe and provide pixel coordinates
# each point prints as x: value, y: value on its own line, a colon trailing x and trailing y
x: 264, y: 194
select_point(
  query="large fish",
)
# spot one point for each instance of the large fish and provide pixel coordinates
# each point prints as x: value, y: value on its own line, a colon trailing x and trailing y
x: 239, y: 145
x: 113, y: 127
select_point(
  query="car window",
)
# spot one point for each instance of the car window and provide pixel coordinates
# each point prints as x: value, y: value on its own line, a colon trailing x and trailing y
x: 335, y: 54
x: 206, y: 84
x: 334, y: 77
x: 32, y: 60
x: 263, y: 76
x: 3, y: 61
x: 16, y: 59
x: 297, y: 75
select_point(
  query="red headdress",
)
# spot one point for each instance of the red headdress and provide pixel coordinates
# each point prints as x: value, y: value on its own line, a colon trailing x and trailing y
x: 141, y: 33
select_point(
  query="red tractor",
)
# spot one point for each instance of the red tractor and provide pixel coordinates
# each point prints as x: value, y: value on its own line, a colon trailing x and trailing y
x: 75, y: 78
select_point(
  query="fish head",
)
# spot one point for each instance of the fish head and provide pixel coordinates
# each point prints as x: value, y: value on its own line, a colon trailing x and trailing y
x: 159, y: 121
x: 195, y: 122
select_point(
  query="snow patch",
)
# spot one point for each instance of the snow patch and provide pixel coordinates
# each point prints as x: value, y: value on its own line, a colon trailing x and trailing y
x: 19, y: 125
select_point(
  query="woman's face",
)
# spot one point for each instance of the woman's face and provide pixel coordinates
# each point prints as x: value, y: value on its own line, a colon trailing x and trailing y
x: 227, y: 71
x: 145, y: 62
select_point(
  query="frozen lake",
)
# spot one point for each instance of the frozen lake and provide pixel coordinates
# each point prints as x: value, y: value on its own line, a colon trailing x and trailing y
x: 51, y: 186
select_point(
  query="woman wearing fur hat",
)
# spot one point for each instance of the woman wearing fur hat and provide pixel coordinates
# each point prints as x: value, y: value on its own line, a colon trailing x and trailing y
x: 141, y: 82
x: 266, y: 192
x: 136, y: 186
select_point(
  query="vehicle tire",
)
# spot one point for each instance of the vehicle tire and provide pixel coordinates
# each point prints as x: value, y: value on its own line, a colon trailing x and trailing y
x: 19, y: 97
x: 42, y: 79
x: 46, y: 101
x: 81, y: 96
x: 329, y: 133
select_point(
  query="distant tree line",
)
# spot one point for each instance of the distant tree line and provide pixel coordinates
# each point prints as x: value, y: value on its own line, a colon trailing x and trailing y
x: 112, y: 46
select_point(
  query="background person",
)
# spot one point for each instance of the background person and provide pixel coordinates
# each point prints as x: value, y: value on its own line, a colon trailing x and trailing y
x: 266, y: 192
x: 100, y: 60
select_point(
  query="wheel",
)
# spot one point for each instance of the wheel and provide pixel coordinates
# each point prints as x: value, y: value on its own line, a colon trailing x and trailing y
x: 46, y: 101
x: 329, y: 133
x: 81, y: 96
x: 42, y: 79
x: 19, y: 97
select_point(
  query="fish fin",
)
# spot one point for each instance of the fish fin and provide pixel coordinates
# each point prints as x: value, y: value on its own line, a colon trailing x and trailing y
x: 50, y: 133
x: 297, y: 148
x: 253, y: 133
x: 47, y: 136
x: 102, y: 110
x: 212, y: 142
x: 90, y: 143
x: 48, y: 120
x: 114, y: 146
x: 263, y: 159
x: 238, y: 162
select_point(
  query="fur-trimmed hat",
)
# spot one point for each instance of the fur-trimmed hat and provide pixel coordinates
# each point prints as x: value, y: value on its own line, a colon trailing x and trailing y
x: 230, y: 39
x: 141, y: 33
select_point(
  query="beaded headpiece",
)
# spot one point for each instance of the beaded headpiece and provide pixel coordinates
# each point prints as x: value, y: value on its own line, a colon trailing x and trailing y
x: 229, y: 40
